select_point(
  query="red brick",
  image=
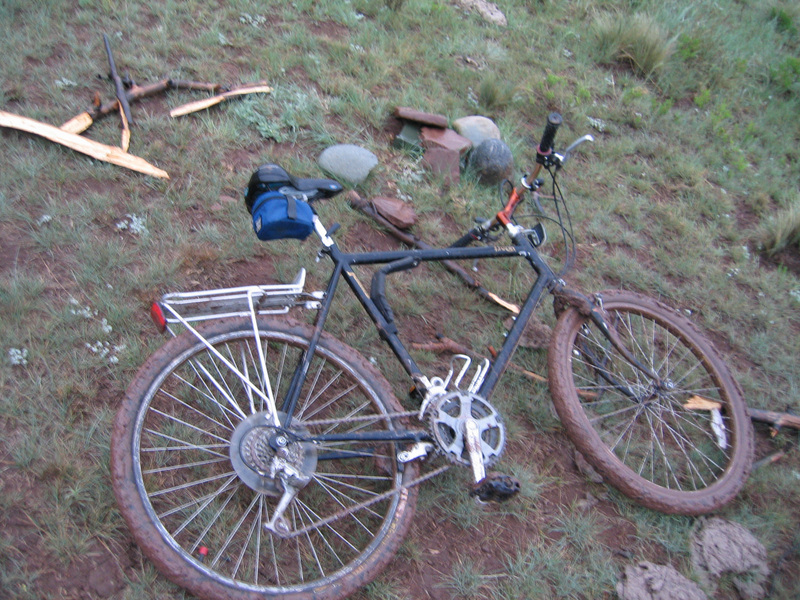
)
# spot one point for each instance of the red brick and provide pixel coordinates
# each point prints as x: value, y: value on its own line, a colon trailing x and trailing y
x: 394, y: 210
x: 444, y: 162
x: 410, y: 114
x: 444, y: 138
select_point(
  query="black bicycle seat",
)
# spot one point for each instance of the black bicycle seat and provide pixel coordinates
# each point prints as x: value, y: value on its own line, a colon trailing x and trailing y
x: 272, y: 178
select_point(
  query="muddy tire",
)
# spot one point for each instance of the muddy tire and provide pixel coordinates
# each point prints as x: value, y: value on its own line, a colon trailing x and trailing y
x: 680, y: 444
x: 190, y: 466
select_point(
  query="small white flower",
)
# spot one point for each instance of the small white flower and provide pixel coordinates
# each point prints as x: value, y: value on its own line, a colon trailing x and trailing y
x: 82, y: 311
x: 65, y: 83
x: 472, y: 97
x: 252, y: 20
x: 795, y: 294
x: 733, y: 272
x: 138, y: 225
x: 18, y: 356
x: 597, y: 124
x: 43, y: 220
x: 134, y: 223
x: 105, y: 326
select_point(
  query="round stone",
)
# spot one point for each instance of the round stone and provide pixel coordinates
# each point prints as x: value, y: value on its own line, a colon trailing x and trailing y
x: 492, y: 162
x: 348, y: 162
x: 477, y: 129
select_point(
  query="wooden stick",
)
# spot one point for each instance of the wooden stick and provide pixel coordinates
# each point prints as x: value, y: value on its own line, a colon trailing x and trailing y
x: 81, y: 144
x: 209, y: 102
x: 126, y: 131
x: 83, y: 121
x: 768, y: 460
x: 78, y: 124
x: 412, y: 240
x: 776, y: 419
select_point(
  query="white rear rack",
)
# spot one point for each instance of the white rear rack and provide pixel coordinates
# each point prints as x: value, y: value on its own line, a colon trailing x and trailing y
x: 239, y: 301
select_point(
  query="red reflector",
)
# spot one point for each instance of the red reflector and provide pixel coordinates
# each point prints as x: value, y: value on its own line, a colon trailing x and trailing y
x: 158, y: 317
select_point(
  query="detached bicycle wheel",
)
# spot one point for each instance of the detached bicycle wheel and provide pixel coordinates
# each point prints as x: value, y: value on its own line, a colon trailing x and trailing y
x: 199, y: 469
x: 678, y: 443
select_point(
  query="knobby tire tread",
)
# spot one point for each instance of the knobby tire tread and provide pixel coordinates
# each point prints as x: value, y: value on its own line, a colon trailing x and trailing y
x: 147, y: 536
x: 570, y: 409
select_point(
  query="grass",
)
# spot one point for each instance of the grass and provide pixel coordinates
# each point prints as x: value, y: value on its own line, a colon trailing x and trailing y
x: 689, y: 193
x: 781, y: 231
x: 637, y: 41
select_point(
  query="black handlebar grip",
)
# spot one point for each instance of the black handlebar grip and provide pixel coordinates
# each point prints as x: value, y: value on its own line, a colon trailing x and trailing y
x: 554, y: 121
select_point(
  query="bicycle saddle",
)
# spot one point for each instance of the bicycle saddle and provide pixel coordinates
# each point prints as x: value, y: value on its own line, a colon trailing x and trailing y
x: 272, y: 178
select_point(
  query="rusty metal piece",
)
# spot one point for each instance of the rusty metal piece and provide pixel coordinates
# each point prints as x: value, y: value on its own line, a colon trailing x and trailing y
x: 120, y: 89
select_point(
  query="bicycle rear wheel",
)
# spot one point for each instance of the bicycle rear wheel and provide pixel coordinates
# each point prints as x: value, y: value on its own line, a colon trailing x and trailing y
x: 192, y: 450
x: 682, y: 443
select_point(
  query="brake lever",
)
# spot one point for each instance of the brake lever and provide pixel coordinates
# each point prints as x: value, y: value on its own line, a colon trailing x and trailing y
x: 561, y: 159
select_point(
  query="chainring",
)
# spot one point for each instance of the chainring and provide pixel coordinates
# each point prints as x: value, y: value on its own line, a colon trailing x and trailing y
x: 446, y: 417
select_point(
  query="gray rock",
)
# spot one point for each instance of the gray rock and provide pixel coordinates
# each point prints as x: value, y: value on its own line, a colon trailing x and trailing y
x: 648, y: 581
x: 477, y: 129
x: 492, y: 162
x: 487, y: 10
x: 348, y: 162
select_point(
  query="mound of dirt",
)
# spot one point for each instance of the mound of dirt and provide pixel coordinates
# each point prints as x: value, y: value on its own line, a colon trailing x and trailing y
x: 647, y: 581
x: 720, y: 547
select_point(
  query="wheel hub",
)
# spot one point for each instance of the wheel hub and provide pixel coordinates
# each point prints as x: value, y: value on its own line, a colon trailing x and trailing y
x: 266, y: 457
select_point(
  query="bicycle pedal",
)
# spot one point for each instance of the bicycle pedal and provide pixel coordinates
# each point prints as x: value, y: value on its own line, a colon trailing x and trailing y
x: 495, y: 487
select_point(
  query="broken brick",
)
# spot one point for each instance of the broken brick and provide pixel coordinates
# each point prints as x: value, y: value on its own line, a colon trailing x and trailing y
x: 444, y: 162
x: 410, y: 114
x: 409, y: 137
x: 444, y: 138
x: 397, y: 212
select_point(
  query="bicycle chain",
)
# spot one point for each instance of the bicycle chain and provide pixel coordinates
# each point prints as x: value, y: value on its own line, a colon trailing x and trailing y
x: 379, y: 417
x: 367, y: 503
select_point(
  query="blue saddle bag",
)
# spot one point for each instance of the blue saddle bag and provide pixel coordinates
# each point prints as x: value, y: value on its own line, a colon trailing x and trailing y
x: 277, y: 216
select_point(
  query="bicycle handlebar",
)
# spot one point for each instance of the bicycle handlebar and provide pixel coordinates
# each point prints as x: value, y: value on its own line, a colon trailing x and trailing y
x: 554, y: 121
x: 543, y: 152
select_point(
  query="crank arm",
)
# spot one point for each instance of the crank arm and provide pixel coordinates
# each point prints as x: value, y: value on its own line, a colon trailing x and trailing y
x: 472, y: 440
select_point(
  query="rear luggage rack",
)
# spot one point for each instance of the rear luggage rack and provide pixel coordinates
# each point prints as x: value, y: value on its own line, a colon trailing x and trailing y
x: 239, y: 301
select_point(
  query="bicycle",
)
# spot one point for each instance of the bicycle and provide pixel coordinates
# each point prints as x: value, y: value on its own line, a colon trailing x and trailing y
x: 258, y: 456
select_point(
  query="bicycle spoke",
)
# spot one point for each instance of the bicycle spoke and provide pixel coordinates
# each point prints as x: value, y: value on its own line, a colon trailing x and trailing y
x: 203, y: 502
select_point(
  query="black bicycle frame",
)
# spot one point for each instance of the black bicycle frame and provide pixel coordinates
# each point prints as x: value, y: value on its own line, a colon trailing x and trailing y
x: 343, y: 264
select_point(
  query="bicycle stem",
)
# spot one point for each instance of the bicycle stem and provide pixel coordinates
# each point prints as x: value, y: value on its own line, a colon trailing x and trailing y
x: 517, y: 196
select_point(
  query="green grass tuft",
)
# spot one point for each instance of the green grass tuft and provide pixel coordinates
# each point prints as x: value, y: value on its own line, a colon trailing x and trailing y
x: 781, y: 231
x: 637, y: 41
